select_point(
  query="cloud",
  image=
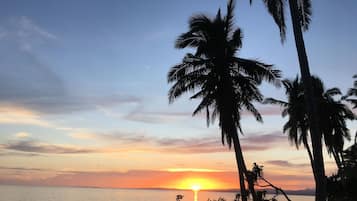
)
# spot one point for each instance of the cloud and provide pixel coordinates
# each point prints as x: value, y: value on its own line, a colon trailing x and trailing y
x: 164, y: 117
x: 16, y: 154
x: 22, y: 168
x: 156, y: 117
x: 119, y: 142
x: 286, y: 164
x: 214, y: 144
x: 155, y: 144
x: 194, y: 145
x: 266, y: 110
x: 146, y: 179
x: 22, y: 135
x: 27, y: 81
x: 83, y: 136
x: 269, y: 138
x: 38, y: 147
x: 18, y: 115
x: 26, y: 33
x: 28, y: 27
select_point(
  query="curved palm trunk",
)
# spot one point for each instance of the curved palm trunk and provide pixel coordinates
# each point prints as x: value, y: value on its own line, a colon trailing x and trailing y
x: 310, y: 155
x: 242, y: 168
x: 243, y: 190
x: 315, y: 131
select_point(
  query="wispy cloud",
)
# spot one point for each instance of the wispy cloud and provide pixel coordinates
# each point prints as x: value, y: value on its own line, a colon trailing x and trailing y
x: 268, y: 138
x: 22, y: 135
x: 6, y: 153
x: 156, y: 117
x: 120, y: 142
x: 38, y: 147
x: 205, y: 144
x: 284, y: 163
x: 141, y: 115
x: 27, y: 81
x: 18, y: 115
x: 27, y: 33
x: 147, y: 179
x: 28, y: 27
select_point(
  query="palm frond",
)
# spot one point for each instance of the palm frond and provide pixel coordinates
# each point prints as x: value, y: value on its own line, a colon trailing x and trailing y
x: 275, y: 102
x: 258, y: 71
x: 229, y: 17
x: 250, y: 107
x: 206, y: 102
x: 190, y: 63
x: 236, y: 41
x: 304, y: 7
x: 276, y: 10
x: 333, y: 91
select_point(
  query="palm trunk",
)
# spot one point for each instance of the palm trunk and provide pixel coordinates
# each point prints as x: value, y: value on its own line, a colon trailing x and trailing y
x: 315, y: 131
x: 242, y: 167
x: 243, y: 190
x: 310, y: 155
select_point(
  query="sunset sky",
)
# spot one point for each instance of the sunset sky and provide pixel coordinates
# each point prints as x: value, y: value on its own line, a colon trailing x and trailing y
x: 83, y: 93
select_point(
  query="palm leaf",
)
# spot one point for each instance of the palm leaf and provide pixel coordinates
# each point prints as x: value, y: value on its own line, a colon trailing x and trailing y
x: 258, y: 71
x: 276, y: 10
x: 333, y: 92
x: 304, y: 7
x: 275, y: 102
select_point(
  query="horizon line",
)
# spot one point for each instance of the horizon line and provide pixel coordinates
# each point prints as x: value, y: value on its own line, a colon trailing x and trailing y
x: 307, y: 191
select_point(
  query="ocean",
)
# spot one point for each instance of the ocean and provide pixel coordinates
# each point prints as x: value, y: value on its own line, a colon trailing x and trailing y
x: 39, y: 193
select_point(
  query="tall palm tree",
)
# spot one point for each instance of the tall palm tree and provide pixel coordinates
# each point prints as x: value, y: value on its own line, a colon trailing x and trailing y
x: 333, y: 116
x: 300, y: 12
x: 225, y: 83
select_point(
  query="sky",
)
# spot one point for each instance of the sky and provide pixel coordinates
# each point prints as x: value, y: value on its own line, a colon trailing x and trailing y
x: 83, y: 94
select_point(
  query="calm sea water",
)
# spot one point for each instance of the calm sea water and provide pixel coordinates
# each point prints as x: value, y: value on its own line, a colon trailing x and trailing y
x: 34, y: 193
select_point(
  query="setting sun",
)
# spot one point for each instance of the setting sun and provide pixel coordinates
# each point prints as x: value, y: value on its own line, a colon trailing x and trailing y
x: 196, y: 187
x: 197, y: 184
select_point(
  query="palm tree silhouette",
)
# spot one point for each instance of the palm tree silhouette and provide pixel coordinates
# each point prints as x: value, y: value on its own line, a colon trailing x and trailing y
x: 352, y: 92
x: 297, y: 124
x: 226, y: 84
x: 333, y: 123
x: 300, y: 12
x: 333, y: 115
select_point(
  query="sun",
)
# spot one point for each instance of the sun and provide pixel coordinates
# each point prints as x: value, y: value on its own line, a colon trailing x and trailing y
x: 196, y: 187
x: 197, y: 184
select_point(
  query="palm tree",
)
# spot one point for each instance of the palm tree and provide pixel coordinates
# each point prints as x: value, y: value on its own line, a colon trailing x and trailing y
x: 300, y: 11
x: 224, y: 83
x: 333, y: 116
x: 352, y: 92
x: 297, y: 125
x: 333, y: 123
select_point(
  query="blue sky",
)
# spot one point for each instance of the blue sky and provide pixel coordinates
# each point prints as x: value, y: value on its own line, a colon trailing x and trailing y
x: 79, y: 75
